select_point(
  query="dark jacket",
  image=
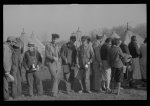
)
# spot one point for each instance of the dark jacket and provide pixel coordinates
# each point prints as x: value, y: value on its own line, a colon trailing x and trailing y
x: 69, y: 52
x: 124, y: 48
x: 133, y: 48
x: 84, y: 55
x: 115, y: 57
x: 104, y: 51
x: 31, y: 58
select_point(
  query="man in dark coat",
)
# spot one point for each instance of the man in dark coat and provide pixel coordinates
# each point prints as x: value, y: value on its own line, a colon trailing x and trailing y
x: 85, y: 55
x: 68, y: 54
x: 32, y: 61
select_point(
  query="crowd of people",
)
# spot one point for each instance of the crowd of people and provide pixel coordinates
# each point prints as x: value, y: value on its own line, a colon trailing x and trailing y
x: 97, y: 67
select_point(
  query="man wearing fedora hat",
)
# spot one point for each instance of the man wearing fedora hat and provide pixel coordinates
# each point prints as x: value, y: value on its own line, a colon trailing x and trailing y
x: 32, y: 61
x: 53, y: 63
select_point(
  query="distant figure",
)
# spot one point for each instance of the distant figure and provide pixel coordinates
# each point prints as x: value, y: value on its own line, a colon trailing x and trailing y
x: 96, y: 72
x: 106, y: 72
x: 143, y: 60
x: 68, y: 54
x: 52, y: 62
x: 85, y: 56
x: 89, y: 41
x: 135, y: 53
x: 115, y: 56
x: 7, y: 63
x: 32, y: 62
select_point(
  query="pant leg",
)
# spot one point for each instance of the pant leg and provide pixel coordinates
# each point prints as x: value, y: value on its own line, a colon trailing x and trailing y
x: 68, y: 84
x: 66, y: 73
x: 87, y: 79
x: 54, y: 76
x: 108, y: 77
x: 19, y: 86
x: 14, y: 84
x: 38, y: 83
x: 71, y: 79
x: 30, y: 82
x: 5, y: 89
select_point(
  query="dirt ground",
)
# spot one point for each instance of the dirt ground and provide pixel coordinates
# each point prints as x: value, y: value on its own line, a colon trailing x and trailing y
x: 126, y: 94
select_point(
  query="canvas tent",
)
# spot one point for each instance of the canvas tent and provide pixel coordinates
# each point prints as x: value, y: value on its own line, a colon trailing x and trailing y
x: 78, y: 35
x: 114, y: 35
x: 127, y: 37
x: 38, y: 44
x: 26, y: 38
x: 103, y: 39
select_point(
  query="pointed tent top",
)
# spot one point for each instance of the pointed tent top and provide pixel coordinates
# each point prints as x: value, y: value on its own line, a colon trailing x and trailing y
x: 22, y: 32
x: 78, y: 30
x: 115, y: 35
x: 32, y: 34
x: 127, y: 26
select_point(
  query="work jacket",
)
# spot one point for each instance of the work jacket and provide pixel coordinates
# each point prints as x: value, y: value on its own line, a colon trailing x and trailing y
x: 68, y: 54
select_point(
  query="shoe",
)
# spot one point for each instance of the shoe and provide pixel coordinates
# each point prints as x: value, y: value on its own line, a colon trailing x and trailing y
x: 31, y: 95
x: 72, y: 91
x: 101, y: 90
x: 80, y: 91
x: 54, y: 95
x: 67, y: 92
x: 10, y: 98
x: 88, y: 92
x: 109, y: 91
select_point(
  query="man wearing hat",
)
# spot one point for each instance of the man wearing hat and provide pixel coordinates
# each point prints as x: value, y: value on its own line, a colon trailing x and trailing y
x: 106, y: 72
x: 15, y: 67
x: 68, y: 54
x: 96, y: 76
x: 85, y: 56
x: 53, y: 63
x: 32, y: 61
x: 7, y: 63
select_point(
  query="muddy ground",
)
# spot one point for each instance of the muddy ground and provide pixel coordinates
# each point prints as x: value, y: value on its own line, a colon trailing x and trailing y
x: 126, y: 94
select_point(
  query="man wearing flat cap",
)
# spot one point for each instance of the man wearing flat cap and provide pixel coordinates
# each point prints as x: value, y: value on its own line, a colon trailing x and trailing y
x: 32, y: 61
x: 53, y: 63
x: 68, y: 54
x: 84, y: 58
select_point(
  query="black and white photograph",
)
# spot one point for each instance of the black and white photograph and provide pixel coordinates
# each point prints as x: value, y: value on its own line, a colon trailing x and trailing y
x: 72, y: 52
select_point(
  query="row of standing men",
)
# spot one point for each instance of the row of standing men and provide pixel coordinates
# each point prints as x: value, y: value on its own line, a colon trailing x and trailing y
x: 79, y: 63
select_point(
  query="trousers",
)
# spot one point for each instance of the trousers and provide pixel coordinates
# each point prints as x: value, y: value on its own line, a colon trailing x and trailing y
x: 32, y: 78
x: 85, y: 78
x: 55, y: 76
x: 5, y: 88
x: 16, y: 85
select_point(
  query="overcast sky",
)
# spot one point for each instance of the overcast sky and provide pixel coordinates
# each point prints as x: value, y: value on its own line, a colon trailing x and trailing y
x: 64, y: 19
